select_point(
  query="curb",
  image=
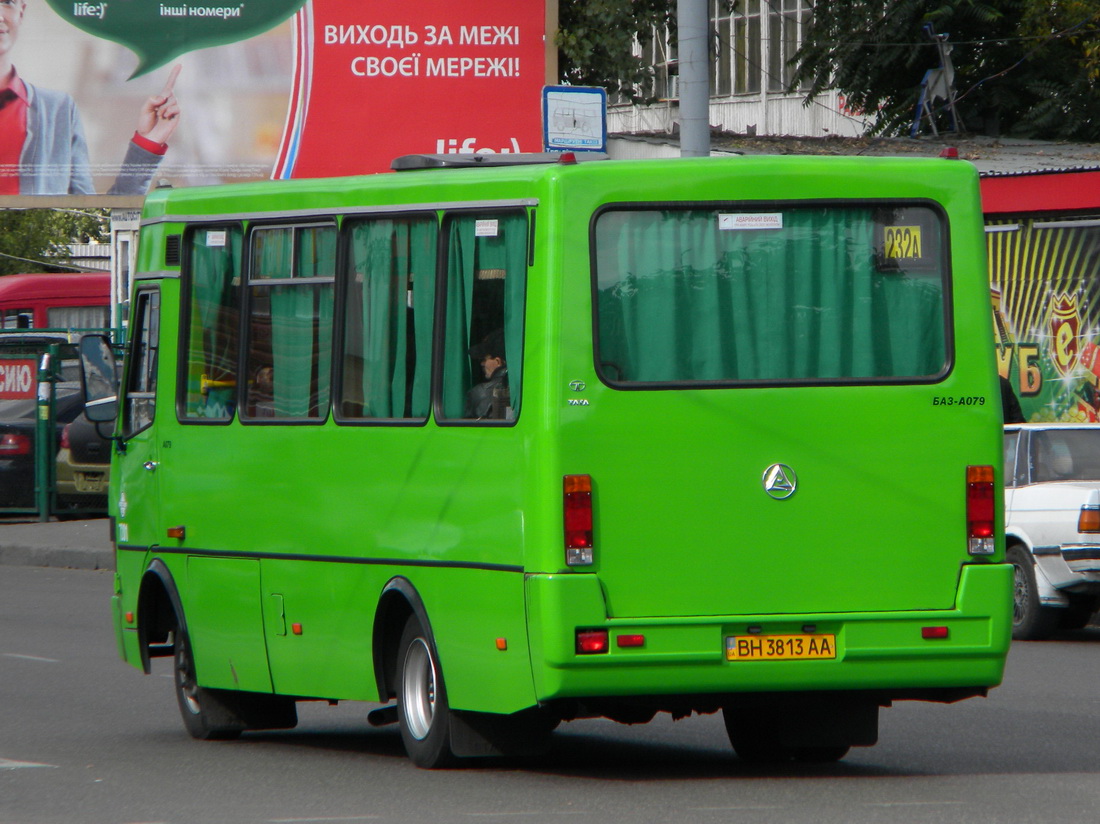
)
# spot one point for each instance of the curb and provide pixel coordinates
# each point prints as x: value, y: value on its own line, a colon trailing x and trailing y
x: 36, y: 556
x: 62, y: 544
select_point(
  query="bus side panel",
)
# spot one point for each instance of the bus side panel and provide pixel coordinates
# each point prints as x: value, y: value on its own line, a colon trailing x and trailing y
x: 474, y: 613
x: 317, y: 623
x: 129, y: 567
x: 224, y: 623
x: 346, y: 509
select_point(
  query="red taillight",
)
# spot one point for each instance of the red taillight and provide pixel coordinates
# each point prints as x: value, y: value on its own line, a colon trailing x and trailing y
x: 934, y: 633
x: 577, y: 495
x: 591, y: 642
x: 12, y: 444
x: 65, y: 442
x: 981, y: 510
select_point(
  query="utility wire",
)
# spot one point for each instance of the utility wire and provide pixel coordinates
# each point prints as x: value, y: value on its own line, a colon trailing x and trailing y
x: 49, y: 263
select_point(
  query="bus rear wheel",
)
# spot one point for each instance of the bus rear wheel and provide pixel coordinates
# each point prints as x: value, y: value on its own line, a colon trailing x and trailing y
x: 422, y: 710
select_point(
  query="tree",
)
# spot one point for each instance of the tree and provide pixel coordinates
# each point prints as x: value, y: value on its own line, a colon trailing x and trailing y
x: 596, y: 41
x: 36, y: 240
x: 1022, y: 67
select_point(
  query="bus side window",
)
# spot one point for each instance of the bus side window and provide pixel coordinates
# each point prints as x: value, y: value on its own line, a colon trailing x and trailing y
x: 212, y: 320
x: 486, y: 292
x: 388, y: 316
x: 141, y: 381
x: 292, y: 270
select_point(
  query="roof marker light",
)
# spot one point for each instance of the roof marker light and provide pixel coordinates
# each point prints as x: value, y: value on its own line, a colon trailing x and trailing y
x: 951, y: 153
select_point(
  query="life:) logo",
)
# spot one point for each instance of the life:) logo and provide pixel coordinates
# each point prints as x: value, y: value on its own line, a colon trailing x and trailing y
x: 453, y: 146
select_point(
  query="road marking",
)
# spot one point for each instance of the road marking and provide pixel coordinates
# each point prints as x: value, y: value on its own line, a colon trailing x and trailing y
x: 31, y: 658
x: 5, y: 764
x: 914, y: 803
x: 322, y: 820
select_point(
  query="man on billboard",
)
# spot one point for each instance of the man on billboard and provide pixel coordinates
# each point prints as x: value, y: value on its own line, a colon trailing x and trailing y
x: 42, y: 146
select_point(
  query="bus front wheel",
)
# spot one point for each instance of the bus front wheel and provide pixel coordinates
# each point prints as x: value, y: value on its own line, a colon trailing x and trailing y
x: 205, y: 715
x: 422, y: 710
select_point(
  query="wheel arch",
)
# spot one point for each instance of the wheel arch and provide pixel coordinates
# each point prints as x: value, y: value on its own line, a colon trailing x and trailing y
x: 1015, y: 537
x: 159, y: 610
x: 398, y: 601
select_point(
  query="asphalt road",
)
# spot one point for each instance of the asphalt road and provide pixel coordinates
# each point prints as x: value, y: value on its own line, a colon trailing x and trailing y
x: 86, y: 739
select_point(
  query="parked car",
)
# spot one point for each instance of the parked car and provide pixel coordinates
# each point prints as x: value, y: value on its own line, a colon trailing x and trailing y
x: 83, y: 466
x: 1052, y: 525
x: 18, y: 421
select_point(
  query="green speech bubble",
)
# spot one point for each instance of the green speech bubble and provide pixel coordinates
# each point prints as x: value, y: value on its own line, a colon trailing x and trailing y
x: 158, y: 31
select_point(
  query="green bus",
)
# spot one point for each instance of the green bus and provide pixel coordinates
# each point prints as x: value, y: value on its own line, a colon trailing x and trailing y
x: 502, y: 442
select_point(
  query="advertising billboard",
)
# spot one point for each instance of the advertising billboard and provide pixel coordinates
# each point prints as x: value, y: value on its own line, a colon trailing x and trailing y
x: 110, y: 98
x: 1046, y: 309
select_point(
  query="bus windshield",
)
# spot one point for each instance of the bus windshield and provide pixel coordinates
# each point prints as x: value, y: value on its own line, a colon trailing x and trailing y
x: 785, y: 293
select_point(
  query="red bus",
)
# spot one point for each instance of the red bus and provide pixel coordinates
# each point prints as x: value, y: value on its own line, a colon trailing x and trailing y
x: 80, y: 300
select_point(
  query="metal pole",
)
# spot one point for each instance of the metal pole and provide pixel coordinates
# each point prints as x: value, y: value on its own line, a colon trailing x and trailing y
x: 694, y: 57
x: 44, y: 447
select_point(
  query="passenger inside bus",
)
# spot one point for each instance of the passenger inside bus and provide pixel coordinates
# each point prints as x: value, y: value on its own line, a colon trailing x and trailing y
x: 489, y: 399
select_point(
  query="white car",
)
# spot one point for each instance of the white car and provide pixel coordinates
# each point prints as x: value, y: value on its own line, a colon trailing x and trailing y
x: 1052, y: 525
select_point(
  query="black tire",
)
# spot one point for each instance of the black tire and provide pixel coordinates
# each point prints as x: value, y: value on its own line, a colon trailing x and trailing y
x: 1078, y: 614
x: 1030, y: 620
x: 819, y: 755
x: 207, y: 715
x: 753, y: 739
x: 422, y: 710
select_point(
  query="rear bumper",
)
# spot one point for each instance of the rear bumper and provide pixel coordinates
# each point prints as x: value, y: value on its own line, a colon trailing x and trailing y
x: 1069, y: 568
x: 884, y: 652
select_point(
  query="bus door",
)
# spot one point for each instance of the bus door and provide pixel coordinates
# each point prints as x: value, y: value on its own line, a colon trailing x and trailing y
x: 139, y: 487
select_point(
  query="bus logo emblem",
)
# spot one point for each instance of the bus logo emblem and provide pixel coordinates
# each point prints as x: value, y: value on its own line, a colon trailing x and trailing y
x: 780, y: 482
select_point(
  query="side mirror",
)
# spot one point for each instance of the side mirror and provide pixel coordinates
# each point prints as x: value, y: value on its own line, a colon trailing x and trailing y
x: 98, y: 378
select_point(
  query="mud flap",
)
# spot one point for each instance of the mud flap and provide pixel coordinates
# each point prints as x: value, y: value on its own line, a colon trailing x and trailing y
x: 484, y: 734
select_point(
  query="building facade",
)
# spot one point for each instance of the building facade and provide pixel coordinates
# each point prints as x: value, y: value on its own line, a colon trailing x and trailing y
x: 750, y: 72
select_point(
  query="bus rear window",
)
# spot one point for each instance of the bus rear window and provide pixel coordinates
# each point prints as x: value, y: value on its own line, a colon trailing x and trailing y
x: 780, y: 293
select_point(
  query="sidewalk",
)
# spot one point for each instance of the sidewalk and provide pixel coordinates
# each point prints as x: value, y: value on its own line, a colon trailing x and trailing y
x: 70, y: 544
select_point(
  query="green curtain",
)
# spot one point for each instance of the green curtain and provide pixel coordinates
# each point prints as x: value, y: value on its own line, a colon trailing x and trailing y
x: 501, y: 256
x: 301, y: 316
x: 461, y: 258
x: 390, y: 258
x: 681, y: 299
x: 214, y: 277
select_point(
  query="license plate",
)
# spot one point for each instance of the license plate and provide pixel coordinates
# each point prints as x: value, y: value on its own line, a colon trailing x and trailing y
x: 90, y: 482
x: 802, y: 647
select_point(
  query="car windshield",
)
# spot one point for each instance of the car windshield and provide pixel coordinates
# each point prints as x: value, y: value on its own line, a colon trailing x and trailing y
x: 68, y: 403
x: 14, y: 410
x: 1065, y: 455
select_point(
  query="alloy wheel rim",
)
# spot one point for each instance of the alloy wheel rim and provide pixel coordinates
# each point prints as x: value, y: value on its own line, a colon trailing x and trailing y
x: 1019, y: 593
x: 185, y: 680
x: 418, y: 689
